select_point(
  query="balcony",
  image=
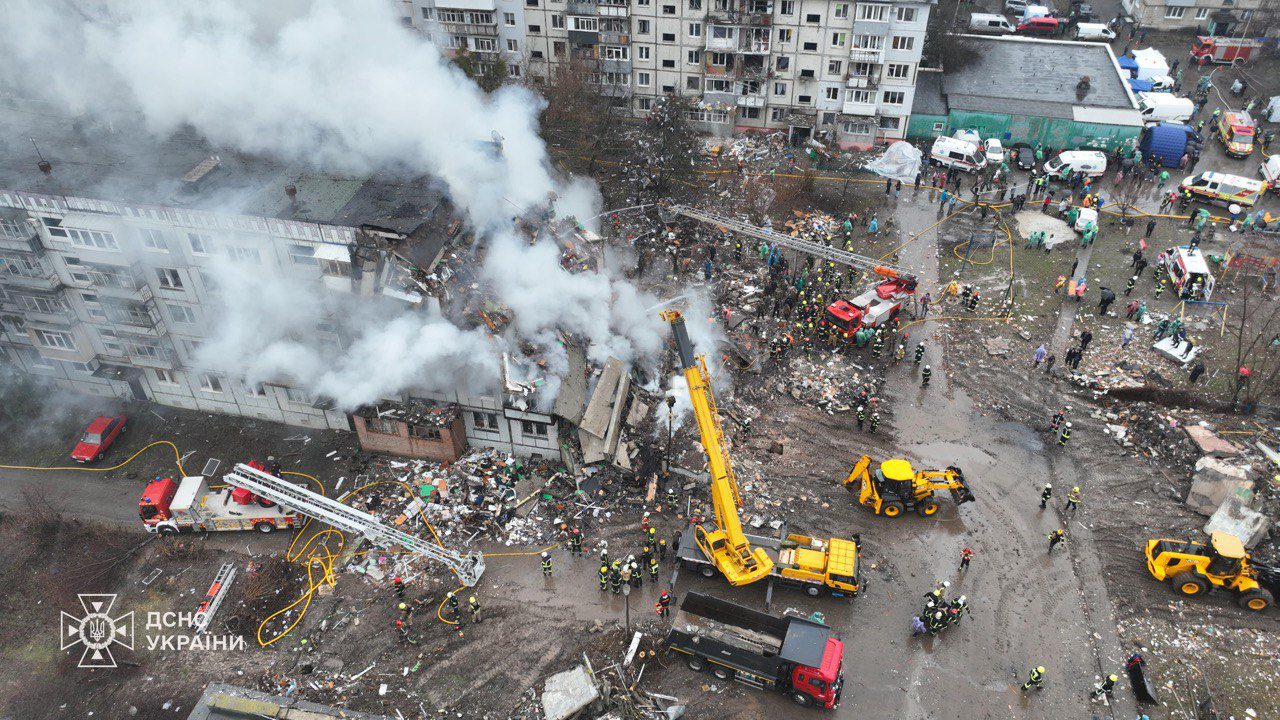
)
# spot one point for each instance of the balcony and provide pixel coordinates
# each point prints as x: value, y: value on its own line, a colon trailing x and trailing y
x: 754, y: 46
x: 875, y: 56
x: 613, y: 9
x: 751, y: 101
x: 152, y: 356
x: 617, y: 91
x: 27, y: 240
x: 867, y: 82
x: 616, y: 66
x: 871, y: 27
x: 722, y: 44
x: 853, y: 107
x: 29, y: 271
x: 471, y: 29
x: 584, y: 37
x: 740, y: 17
x: 614, y: 38
x: 719, y: 98
x: 581, y: 7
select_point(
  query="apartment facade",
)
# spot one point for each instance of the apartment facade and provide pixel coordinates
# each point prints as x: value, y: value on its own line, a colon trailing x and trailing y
x: 1210, y: 17
x: 841, y: 71
x: 115, y: 299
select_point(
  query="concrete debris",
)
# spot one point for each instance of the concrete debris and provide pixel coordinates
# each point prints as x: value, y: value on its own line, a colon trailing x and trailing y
x: 1236, y: 517
x: 1211, y: 444
x: 1214, y: 482
x: 568, y: 692
x: 1176, y: 351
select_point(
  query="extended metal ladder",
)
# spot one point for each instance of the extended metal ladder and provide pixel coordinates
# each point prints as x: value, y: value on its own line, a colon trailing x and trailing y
x: 825, y: 252
x: 469, y: 567
x: 213, y: 598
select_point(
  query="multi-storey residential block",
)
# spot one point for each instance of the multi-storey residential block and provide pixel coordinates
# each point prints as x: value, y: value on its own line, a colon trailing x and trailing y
x: 840, y: 70
x: 1209, y: 17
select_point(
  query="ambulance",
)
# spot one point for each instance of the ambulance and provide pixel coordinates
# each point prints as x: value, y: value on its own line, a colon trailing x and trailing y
x: 1223, y: 189
x: 1236, y: 131
x: 1189, y: 272
x: 959, y: 154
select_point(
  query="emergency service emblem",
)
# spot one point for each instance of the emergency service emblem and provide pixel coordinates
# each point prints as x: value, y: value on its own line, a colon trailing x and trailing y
x: 97, y: 631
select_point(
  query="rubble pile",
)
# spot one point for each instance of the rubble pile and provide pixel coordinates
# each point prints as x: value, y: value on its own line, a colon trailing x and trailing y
x: 828, y: 384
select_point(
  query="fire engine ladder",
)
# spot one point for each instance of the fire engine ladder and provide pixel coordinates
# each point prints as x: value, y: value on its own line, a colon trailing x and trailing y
x: 469, y: 566
x: 824, y: 252
x: 213, y: 598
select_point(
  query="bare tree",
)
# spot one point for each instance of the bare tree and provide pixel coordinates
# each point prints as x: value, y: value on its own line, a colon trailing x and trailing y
x: 1257, y: 335
x: 667, y: 146
x: 578, y: 118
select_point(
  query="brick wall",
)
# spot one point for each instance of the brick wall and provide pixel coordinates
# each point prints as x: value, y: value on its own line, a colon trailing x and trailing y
x: 447, y: 448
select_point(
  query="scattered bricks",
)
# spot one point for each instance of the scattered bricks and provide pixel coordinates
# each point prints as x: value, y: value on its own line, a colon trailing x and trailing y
x: 1214, y: 481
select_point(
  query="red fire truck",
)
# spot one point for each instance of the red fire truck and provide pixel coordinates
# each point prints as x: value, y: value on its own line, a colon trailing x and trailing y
x: 169, y: 507
x: 1224, y: 50
x: 877, y: 306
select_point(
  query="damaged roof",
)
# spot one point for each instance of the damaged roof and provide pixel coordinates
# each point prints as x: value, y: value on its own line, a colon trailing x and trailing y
x: 414, y: 411
x: 221, y: 701
x: 93, y: 159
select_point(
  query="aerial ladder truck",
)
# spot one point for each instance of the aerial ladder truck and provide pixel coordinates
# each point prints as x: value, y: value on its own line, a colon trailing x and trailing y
x: 257, y: 500
x: 874, y: 307
x: 743, y: 559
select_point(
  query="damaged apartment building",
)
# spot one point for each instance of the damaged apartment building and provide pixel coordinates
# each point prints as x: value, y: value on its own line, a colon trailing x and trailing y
x: 108, y: 288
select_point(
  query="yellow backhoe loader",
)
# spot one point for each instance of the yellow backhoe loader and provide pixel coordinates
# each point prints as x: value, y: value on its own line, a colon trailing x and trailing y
x: 1194, y: 568
x: 894, y: 487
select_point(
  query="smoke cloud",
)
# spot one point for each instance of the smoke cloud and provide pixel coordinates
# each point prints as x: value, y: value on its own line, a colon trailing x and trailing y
x: 341, y: 87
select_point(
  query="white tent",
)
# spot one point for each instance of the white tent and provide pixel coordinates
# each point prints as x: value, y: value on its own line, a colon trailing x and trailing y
x: 1151, y: 64
x: 901, y: 161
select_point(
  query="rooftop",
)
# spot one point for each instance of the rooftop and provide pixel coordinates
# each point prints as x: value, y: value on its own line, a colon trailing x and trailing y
x: 1025, y: 76
x: 928, y: 98
x: 102, y: 161
x: 228, y: 702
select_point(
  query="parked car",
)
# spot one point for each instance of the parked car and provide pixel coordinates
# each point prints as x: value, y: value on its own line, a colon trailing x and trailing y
x: 98, y: 437
x: 1081, y: 12
x: 1038, y: 26
x: 1023, y: 156
x: 994, y: 151
x: 989, y: 24
x: 1015, y: 6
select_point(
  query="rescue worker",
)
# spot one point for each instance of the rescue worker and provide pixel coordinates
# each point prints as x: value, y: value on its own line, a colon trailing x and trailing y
x: 453, y: 605
x: 937, y: 621
x: 1106, y: 688
x: 604, y: 555
x: 644, y: 523
x: 899, y: 352
x: 1073, y: 499
x: 401, y: 630
x: 575, y: 541
x: 604, y: 577
x: 1128, y: 288
x: 925, y: 375
x: 646, y: 554
x: 1045, y: 494
x: 652, y: 536
x: 398, y: 584
x: 625, y: 575
x: 878, y: 346
x: 1065, y: 435
x: 1160, y: 288
x: 615, y: 578
x: 959, y: 607
x: 875, y: 422
x: 404, y: 610
x: 919, y: 352
x: 1056, y: 421
x: 664, y: 605
x: 653, y: 570
x: 475, y: 609
x: 1057, y: 536
x: 662, y: 549
x: 637, y: 578
x: 673, y: 497
x: 1036, y: 680
x: 546, y: 564
x: 966, y: 555
x: 861, y: 415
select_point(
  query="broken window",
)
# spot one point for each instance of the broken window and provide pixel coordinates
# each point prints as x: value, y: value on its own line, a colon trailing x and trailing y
x: 425, y: 432
x: 385, y: 426
x: 485, y: 420
x: 169, y: 278
x: 535, y: 429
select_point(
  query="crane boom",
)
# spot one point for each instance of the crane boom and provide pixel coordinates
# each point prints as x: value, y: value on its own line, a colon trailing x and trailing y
x: 825, y: 252
x: 727, y: 545
x: 468, y: 567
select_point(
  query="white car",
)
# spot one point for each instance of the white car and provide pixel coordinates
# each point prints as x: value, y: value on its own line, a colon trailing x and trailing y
x: 1086, y: 216
x: 994, y: 151
x: 1015, y: 6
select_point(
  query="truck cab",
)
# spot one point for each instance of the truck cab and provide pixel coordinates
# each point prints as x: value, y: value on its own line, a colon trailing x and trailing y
x: 167, y: 508
x: 843, y: 318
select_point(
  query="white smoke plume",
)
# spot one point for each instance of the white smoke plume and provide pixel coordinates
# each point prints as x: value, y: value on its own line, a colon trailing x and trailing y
x: 339, y: 86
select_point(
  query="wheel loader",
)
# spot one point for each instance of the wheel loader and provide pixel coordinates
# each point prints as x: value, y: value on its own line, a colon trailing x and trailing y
x: 895, y: 487
x: 1194, y: 568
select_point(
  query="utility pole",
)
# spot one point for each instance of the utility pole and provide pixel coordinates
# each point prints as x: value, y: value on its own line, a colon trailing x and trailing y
x: 626, y: 594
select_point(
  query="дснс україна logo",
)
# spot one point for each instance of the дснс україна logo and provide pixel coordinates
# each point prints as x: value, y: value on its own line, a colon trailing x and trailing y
x: 97, y: 631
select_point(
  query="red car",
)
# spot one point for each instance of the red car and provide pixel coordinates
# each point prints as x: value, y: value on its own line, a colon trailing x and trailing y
x: 99, y: 436
x: 1038, y: 26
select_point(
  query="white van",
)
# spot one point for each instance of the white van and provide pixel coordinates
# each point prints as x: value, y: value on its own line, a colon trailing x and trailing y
x: 1095, y: 31
x: 989, y: 24
x: 1034, y: 11
x: 1015, y: 6
x: 1090, y: 162
x: 1164, y: 107
x: 1270, y: 171
x: 950, y: 152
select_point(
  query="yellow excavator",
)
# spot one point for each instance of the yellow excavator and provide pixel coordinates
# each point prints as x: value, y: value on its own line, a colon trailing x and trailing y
x: 895, y: 487
x: 1193, y: 569
x: 744, y: 559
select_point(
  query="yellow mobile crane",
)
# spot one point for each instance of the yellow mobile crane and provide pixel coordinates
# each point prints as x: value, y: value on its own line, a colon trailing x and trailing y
x: 743, y: 559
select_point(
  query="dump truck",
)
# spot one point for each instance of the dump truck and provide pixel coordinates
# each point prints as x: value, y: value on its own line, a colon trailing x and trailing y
x: 1195, y: 568
x: 743, y: 559
x: 168, y: 507
x: 895, y: 487
x: 801, y: 658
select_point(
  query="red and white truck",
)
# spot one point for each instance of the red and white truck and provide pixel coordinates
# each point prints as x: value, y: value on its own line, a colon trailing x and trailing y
x: 169, y: 507
x: 1224, y: 50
